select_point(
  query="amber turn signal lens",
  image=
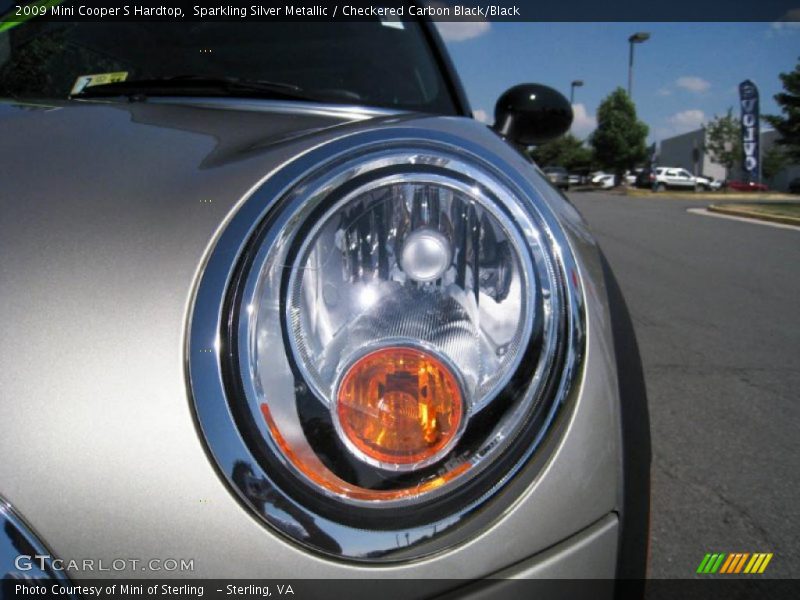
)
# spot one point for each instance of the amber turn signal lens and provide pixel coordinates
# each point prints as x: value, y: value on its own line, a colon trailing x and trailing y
x: 399, y: 406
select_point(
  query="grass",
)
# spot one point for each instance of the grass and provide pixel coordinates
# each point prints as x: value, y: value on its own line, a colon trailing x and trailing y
x: 784, y: 209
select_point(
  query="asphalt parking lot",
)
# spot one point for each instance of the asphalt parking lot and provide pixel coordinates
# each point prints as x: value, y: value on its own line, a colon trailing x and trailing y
x: 716, y: 307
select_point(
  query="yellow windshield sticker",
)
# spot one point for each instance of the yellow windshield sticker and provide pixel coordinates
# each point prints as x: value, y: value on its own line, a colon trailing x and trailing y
x: 85, y: 81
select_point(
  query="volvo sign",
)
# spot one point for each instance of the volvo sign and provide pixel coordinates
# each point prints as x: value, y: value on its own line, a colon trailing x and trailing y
x: 748, y: 98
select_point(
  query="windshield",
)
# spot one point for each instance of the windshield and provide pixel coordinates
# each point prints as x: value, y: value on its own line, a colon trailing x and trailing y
x: 385, y: 64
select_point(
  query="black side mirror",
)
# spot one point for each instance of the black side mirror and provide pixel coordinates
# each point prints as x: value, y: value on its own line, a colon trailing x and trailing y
x: 530, y: 114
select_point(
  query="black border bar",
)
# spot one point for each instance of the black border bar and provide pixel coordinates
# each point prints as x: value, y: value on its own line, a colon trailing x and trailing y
x: 438, y: 10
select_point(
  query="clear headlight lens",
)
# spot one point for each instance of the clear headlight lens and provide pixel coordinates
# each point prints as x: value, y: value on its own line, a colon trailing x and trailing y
x: 411, y: 262
x: 396, y: 328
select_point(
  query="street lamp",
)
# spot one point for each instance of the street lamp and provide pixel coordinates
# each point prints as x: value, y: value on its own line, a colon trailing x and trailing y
x: 572, y: 86
x: 636, y: 38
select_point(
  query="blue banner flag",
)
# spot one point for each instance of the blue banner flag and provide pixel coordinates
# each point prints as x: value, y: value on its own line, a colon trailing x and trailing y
x: 748, y: 98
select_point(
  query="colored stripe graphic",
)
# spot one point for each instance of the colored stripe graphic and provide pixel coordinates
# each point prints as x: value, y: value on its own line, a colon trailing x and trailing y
x: 703, y: 563
x: 711, y: 563
x: 734, y: 563
x: 756, y: 560
x: 727, y: 564
x: 736, y: 560
x: 764, y: 564
x: 758, y: 563
x: 740, y: 564
x: 731, y: 563
x: 718, y: 563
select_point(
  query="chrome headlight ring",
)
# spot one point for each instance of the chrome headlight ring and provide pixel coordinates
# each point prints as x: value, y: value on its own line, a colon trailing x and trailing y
x: 265, y: 455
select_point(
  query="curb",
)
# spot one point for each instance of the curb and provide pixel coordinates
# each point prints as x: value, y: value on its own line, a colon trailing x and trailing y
x: 736, y: 211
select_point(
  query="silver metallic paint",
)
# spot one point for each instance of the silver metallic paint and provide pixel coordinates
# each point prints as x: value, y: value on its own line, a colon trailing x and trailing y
x: 589, y: 554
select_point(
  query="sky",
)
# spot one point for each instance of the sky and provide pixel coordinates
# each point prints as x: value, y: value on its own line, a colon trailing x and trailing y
x: 683, y: 76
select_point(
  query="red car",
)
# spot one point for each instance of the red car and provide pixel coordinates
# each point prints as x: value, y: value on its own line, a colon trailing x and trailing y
x: 747, y: 186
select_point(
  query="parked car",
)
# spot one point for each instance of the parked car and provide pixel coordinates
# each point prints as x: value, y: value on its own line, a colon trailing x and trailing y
x: 596, y: 176
x: 645, y: 178
x: 604, y: 181
x: 558, y: 176
x: 710, y: 182
x: 794, y: 186
x: 579, y: 178
x: 678, y: 179
x: 746, y: 186
x: 632, y: 176
x: 287, y: 312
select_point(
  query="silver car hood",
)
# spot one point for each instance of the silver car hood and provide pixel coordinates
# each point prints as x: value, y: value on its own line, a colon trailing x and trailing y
x: 223, y: 131
x: 108, y: 210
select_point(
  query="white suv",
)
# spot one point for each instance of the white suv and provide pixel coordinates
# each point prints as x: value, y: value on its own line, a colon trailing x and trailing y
x: 677, y: 178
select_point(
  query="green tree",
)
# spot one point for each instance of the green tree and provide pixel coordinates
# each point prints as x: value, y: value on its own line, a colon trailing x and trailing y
x: 724, y: 141
x: 566, y: 151
x: 619, y: 140
x: 788, y: 126
x: 773, y: 161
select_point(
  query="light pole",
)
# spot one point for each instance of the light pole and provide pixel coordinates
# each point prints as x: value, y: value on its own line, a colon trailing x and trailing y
x: 572, y: 86
x: 636, y: 38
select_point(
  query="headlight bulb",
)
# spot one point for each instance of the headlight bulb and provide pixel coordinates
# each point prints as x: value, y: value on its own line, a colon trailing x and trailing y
x: 426, y: 255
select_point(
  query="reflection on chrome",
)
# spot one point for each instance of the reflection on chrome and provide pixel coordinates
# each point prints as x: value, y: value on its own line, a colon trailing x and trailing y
x: 24, y: 560
x: 297, y: 523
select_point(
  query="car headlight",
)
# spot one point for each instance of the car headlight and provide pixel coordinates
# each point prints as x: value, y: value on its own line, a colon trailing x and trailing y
x: 394, y: 340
